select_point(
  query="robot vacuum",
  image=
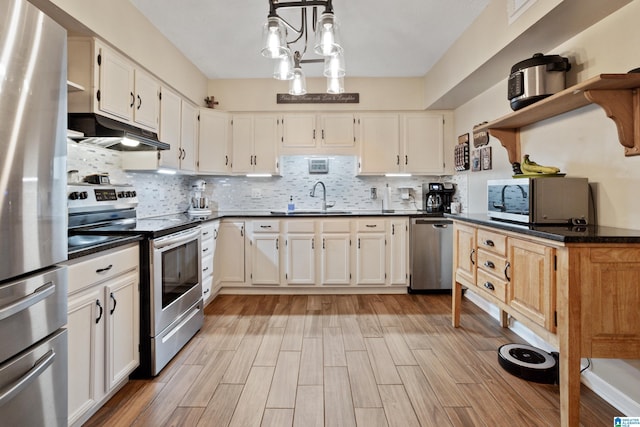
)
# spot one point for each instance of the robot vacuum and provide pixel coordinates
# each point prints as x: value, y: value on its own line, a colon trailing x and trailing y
x: 529, y: 363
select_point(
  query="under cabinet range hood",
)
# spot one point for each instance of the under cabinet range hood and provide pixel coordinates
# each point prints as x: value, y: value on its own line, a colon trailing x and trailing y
x: 109, y: 133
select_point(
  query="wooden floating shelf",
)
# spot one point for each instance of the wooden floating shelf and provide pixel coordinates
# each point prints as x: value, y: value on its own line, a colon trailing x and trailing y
x: 616, y: 94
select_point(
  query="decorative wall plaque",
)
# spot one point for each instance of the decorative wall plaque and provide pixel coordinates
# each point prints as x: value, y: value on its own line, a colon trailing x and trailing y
x: 480, y: 138
x: 318, y: 98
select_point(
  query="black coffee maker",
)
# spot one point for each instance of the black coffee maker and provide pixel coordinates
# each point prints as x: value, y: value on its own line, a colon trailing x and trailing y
x: 436, y: 197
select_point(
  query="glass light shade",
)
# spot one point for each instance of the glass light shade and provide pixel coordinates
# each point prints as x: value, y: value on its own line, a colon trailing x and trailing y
x: 274, y: 38
x: 327, y: 36
x: 283, y: 69
x: 335, y: 85
x: 298, y: 85
x: 334, y: 65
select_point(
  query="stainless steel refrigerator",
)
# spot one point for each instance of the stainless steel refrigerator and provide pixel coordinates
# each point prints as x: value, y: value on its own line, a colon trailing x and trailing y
x: 33, y: 219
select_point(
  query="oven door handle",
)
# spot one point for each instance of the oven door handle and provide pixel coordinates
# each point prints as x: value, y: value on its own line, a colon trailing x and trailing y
x: 177, y: 238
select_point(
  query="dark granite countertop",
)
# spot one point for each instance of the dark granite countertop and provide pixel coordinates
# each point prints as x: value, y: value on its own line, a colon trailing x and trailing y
x: 315, y: 214
x: 559, y: 233
x: 100, y: 245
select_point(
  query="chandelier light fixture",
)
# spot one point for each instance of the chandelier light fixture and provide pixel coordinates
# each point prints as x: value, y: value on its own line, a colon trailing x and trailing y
x: 288, y: 54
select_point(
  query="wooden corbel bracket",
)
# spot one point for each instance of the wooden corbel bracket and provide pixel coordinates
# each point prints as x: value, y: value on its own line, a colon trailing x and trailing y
x: 510, y: 140
x: 623, y: 107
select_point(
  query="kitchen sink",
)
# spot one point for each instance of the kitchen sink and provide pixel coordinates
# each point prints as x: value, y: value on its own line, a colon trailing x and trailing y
x: 316, y: 212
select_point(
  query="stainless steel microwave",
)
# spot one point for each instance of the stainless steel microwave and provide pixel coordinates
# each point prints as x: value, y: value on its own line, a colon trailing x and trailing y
x: 556, y: 200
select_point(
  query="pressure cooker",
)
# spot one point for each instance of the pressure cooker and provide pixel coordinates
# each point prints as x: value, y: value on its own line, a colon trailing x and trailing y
x: 536, y: 78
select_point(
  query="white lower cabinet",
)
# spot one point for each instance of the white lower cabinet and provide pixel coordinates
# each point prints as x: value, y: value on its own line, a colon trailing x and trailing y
x: 371, y: 252
x: 264, y: 245
x: 398, y: 250
x: 231, y: 259
x: 335, y: 258
x: 300, y: 252
x: 313, y: 252
x: 103, y: 327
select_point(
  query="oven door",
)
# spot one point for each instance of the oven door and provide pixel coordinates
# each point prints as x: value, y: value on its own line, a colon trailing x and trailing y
x: 175, y: 278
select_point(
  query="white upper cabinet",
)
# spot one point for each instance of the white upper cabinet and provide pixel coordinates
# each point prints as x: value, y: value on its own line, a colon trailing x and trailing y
x: 116, y: 86
x: 298, y: 130
x: 115, y: 93
x: 322, y: 133
x: 379, y: 143
x: 401, y: 143
x: 188, y: 137
x: 146, y: 110
x: 170, y: 112
x: 255, y: 143
x: 422, y: 136
x: 337, y: 130
x: 214, y: 143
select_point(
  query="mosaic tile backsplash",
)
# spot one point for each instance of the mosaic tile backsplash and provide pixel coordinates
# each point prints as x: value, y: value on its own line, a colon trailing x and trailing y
x: 161, y: 194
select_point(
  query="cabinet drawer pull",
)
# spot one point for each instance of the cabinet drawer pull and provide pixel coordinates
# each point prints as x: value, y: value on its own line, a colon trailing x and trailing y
x: 489, y: 286
x: 473, y: 251
x: 506, y: 271
x: 205, y: 269
x: 206, y: 291
x: 489, y: 264
x: 205, y: 249
x: 371, y: 225
x: 205, y: 233
x: 489, y: 243
x: 102, y: 270
x: 265, y: 226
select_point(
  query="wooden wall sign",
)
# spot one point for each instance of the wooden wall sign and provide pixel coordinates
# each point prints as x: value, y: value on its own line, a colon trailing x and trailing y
x: 318, y: 98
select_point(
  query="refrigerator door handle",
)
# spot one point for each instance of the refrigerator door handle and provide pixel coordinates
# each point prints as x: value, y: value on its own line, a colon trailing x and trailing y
x: 9, y: 392
x: 25, y: 302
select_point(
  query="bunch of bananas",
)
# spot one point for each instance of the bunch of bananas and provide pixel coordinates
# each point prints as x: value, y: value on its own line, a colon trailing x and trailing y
x: 530, y: 167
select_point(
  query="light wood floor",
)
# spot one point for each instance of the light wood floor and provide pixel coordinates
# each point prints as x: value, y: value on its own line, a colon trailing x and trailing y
x: 366, y: 360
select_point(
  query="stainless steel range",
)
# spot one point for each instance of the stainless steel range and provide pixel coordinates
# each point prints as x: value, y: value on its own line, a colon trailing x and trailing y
x: 171, y: 293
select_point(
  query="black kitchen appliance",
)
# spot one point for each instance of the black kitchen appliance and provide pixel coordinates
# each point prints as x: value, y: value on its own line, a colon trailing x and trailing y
x: 436, y: 197
x: 536, y: 78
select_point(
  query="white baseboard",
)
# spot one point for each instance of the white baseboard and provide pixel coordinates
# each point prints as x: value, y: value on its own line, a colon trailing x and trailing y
x: 603, y: 388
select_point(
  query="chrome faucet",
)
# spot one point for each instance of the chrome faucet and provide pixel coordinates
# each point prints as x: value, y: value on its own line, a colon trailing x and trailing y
x: 324, y: 195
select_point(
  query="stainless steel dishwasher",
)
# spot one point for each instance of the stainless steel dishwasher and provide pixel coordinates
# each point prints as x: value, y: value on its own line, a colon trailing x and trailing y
x: 431, y: 255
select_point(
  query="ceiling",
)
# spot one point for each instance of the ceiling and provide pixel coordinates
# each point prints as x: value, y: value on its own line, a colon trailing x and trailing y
x: 380, y: 38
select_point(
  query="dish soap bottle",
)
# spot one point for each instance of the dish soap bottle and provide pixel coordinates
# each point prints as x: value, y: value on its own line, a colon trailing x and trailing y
x: 291, y: 206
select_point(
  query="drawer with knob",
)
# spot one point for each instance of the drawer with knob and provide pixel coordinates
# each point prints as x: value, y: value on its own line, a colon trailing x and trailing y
x: 492, y: 285
x: 492, y: 242
x: 492, y: 263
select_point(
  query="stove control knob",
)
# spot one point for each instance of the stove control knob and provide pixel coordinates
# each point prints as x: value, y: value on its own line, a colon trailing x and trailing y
x: 120, y: 194
x: 133, y: 194
x: 74, y: 195
x: 83, y: 195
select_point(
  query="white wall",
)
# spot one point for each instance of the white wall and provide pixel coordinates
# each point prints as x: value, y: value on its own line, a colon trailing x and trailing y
x: 582, y: 143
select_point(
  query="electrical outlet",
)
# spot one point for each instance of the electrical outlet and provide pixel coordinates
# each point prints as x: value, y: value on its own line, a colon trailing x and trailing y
x: 374, y: 193
x: 256, y: 193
